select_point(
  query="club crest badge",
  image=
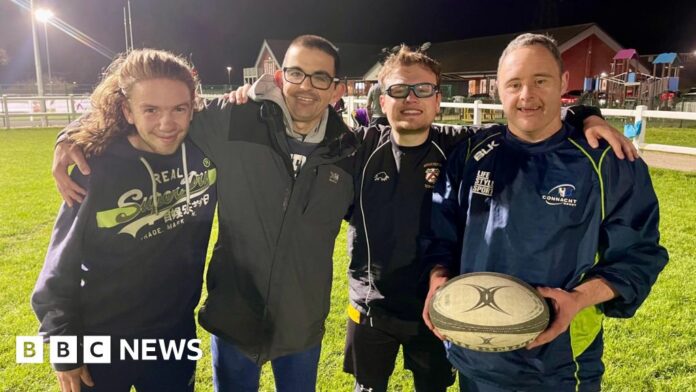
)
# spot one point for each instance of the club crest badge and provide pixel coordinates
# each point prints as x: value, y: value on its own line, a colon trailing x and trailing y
x: 561, y: 195
x: 431, y: 175
x: 432, y: 172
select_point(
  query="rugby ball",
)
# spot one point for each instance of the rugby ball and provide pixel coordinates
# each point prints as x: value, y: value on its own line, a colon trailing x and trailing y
x: 488, y: 311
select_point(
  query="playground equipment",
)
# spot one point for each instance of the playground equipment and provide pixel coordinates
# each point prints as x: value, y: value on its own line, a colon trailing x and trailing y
x: 627, y: 88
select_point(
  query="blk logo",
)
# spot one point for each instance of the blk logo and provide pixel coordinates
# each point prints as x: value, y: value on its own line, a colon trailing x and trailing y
x: 484, y: 151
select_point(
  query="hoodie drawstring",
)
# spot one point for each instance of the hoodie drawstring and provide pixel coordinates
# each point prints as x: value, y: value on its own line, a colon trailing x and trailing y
x: 186, y: 174
x: 152, y: 181
x: 187, y: 182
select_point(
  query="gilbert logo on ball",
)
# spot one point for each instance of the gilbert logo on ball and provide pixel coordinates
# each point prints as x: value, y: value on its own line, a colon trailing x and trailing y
x: 489, y: 311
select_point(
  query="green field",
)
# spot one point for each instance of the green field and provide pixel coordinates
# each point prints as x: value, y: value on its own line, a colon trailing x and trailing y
x: 685, y: 137
x: 670, y: 132
x: 654, y: 351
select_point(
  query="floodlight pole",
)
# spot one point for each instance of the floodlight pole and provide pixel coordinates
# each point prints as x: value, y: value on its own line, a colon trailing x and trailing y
x: 48, y: 55
x: 37, y: 63
x: 130, y: 25
x: 125, y: 29
x: 37, y: 55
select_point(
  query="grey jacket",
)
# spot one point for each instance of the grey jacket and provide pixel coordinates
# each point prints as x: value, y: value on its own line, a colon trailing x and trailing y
x: 269, y: 281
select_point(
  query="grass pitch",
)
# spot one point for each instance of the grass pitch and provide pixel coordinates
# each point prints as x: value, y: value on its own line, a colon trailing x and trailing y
x: 654, y: 351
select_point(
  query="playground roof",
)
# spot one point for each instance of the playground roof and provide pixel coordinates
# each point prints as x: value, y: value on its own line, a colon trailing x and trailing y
x: 665, y: 58
x: 625, y: 54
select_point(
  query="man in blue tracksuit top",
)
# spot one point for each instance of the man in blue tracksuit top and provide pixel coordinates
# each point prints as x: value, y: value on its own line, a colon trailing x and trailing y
x: 532, y: 200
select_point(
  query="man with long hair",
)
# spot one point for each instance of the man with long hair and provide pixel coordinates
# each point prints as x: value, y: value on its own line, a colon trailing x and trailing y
x: 127, y: 261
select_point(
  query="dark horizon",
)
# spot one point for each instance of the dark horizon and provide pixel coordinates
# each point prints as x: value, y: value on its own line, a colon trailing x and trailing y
x: 219, y: 33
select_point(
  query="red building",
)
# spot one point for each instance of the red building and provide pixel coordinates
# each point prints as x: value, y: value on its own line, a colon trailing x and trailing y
x: 468, y: 66
x: 589, y: 54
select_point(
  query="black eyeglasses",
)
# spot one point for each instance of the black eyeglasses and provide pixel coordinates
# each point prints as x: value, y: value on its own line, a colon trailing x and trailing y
x: 318, y: 80
x: 421, y: 90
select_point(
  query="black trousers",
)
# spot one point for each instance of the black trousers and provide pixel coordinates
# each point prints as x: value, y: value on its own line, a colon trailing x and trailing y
x: 145, y: 376
x: 372, y: 346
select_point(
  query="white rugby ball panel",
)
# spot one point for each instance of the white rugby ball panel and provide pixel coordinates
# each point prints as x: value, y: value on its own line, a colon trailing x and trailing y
x: 489, y: 311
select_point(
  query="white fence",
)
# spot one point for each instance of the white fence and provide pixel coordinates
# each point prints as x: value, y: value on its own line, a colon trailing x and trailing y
x: 641, y: 113
x: 34, y: 110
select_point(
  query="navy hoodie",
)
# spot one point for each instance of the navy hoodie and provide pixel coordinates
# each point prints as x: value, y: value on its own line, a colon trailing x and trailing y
x: 129, y: 260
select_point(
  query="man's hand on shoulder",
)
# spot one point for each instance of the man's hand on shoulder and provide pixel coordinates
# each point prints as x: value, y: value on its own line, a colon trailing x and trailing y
x: 64, y: 155
x: 239, y: 96
x: 598, y: 128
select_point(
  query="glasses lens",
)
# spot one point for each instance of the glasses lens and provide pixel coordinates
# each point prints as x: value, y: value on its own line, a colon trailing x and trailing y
x: 294, y: 75
x: 424, y: 90
x: 398, y: 90
x: 321, y: 81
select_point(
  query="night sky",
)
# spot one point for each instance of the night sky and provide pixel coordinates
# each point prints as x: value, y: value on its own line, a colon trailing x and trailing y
x: 220, y: 33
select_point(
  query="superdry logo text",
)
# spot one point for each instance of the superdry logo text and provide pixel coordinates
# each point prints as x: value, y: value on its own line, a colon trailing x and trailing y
x: 136, y: 210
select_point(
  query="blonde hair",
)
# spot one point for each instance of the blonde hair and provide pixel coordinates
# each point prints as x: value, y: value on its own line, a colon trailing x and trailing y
x: 106, y: 119
x: 406, y: 56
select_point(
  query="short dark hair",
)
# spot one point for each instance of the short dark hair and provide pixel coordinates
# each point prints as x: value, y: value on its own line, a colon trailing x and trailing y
x: 320, y: 43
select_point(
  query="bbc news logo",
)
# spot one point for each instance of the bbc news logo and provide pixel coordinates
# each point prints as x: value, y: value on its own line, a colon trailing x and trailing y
x: 97, y: 349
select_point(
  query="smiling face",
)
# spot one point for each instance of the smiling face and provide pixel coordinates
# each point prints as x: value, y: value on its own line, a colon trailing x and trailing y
x: 410, y: 115
x: 306, y: 103
x: 530, y: 88
x: 161, y: 111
